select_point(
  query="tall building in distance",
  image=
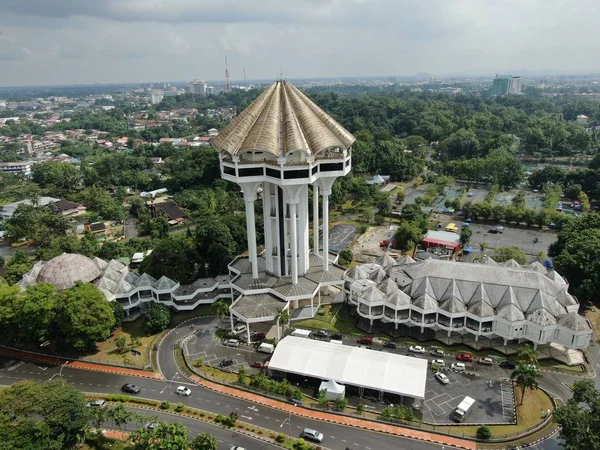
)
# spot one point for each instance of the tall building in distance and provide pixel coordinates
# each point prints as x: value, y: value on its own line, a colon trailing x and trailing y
x: 506, y: 85
x: 156, y: 96
x: 197, y: 87
x: 278, y: 147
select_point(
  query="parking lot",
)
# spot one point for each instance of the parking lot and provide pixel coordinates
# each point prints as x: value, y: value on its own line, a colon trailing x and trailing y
x: 340, y: 237
x: 512, y: 236
x: 494, y: 401
x: 213, y: 352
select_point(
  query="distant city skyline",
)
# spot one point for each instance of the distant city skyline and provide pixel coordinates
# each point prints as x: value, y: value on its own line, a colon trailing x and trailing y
x: 119, y: 41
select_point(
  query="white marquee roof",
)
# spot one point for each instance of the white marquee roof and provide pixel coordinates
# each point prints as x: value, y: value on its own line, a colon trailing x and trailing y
x: 355, y: 366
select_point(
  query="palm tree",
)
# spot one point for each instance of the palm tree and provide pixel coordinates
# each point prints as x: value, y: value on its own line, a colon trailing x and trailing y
x: 220, y: 308
x: 527, y: 355
x: 283, y: 316
x: 525, y: 375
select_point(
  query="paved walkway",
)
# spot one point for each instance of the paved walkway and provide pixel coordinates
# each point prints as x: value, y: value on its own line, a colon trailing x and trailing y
x: 338, y: 419
x: 80, y: 364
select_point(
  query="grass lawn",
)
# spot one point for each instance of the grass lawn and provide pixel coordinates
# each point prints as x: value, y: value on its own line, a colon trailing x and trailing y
x: 342, y: 322
x: 107, y: 350
x: 182, y: 316
x: 593, y: 315
x: 553, y: 364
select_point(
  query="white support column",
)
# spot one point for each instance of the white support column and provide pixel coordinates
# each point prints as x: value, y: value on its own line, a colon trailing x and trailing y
x: 325, y: 231
x: 267, y: 221
x: 230, y: 320
x: 303, y: 249
x: 316, y: 218
x: 251, y: 237
x: 294, y: 242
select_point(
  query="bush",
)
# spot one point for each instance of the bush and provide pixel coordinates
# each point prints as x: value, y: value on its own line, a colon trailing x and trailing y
x: 164, y: 405
x: 360, y: 409
x: 179, y: 407
x: 340, y: 403
x: 158, y: 318
x: 484, y: 432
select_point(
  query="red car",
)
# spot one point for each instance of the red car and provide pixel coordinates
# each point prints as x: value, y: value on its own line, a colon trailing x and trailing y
x: 259, y: 364
x: 386, y: 242
x: 464, y: 357
x: 365, y: 340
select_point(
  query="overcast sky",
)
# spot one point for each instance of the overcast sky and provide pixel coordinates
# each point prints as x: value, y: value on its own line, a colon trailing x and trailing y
x: 89, y: 41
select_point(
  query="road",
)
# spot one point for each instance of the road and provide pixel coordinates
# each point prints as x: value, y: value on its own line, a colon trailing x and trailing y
x: 337, y: 437
x: 226, y: 438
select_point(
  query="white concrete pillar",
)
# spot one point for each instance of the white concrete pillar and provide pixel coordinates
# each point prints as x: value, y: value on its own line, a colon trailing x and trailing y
x: 316, y: 219
x: 325, y: 232
x: 248, y: 332
x: 230, y: 320
x: 303, y: 248
x: 267, y: 221
x: 294, y: 242
x: 250, y: 226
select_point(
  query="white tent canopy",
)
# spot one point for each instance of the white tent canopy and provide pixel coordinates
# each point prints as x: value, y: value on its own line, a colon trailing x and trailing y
x: 332, y: 389
x: 355, y: 366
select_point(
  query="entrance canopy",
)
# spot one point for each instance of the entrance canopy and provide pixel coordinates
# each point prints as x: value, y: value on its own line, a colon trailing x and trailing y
x: 361, y: 367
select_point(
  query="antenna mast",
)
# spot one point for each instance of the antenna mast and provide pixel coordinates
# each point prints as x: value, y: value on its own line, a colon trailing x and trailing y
x: 227, y: 82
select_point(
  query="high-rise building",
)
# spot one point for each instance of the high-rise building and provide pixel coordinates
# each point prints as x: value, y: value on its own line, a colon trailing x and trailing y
x: 156, y: 96
x: 506, y: 84
x: 197, y: 87
x: 284, y: 144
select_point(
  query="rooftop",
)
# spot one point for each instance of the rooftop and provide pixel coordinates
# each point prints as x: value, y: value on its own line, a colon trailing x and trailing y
x: 282, y: 120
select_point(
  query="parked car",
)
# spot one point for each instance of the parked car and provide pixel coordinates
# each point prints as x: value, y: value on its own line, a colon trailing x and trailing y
x: 486, y: 361
x: 508, y: 365
x: 226, y: 362
x: 259, y: 364
x: 312, y: 435
x: 460, y: 367
x: 151, y: 425
x: 493, y: 230
x: 337, y: 336
x: 237, y: 447
x: 130, y: 388
x: 321, y: 334
x: 239, y: 329
x: 390, y: 344
x: 416, y: 349
x: 464, y: 357
x: 365, y: 341
x: 438, y: 352
x: 442, y: 378
x: 182, y: 390
x: 387, y: 242
x: 232, y: 343
x: 439, y: 362
x: 257, y: 337
x: 96, y: 404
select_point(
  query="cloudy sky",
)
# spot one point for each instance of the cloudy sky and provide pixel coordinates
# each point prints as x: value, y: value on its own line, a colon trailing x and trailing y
x: 89, y: 41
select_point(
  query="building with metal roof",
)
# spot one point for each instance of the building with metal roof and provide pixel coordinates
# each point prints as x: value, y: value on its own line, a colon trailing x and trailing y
x: 488, y: 304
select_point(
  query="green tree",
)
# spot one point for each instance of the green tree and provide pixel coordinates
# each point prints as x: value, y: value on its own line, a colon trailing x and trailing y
x: 204, y: 441
x: 407, y: 235
x: 340, y: 403
x: 17, y: 266
x: 53, y: 412
x: 465, y: 235
x: 118, y: 312
x: 527, y: 355
x: 322, y: 397
x: 166, y: 436
x: 83, y: 317
x: 360, y: 409
x: 584, y: 201
x: 158, y: 318
x: 484, y: 432
x: 36, y: 313
x: 220, y: 308
x: 518, y: 200
x: 174, y: 258
x: 525, y: 375
x: 345, y: 257
x: 502, y: 254
x: 242, y: 375
x: 119, y: 415
x: 579, y: 418
x: 121, y: 343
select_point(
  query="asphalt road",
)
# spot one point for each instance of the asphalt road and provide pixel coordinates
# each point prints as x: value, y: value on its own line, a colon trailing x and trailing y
x: 226, y: 438
x: 337, y: 437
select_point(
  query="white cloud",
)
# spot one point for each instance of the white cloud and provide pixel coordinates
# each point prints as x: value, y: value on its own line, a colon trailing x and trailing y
x: 69, y: 41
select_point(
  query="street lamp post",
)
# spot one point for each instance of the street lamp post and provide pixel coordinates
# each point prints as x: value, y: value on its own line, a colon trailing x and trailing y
x: 289, y: 421
x: 60, y: 371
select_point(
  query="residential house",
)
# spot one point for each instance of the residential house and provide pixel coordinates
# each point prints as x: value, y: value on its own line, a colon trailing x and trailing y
x: 67, y: 208
x: 169, y: 210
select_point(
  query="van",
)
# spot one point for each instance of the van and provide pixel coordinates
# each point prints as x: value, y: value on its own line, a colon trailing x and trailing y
x: 334, y: 341
x: 463, y: 409
x: 460, y: 367
x: 266, y: 348
x: 301, y: 333
x: 239, y: 329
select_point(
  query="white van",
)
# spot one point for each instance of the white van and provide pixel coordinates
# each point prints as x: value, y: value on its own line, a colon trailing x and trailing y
x: 301, y: 333
x: 266, y: 348
x: 460, y: 367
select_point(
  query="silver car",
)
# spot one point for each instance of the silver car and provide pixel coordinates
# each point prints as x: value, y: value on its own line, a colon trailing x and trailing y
x: 312, y: 435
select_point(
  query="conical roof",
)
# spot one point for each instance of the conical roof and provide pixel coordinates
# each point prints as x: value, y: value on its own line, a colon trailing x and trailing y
x: 574, y: 321
x: 405, y: 260
x: 378, y: 275
x: 356, y: 273
x: 385, y: 260
x: 512, y: 264
x: 486, y: 260
x: 282, y: 120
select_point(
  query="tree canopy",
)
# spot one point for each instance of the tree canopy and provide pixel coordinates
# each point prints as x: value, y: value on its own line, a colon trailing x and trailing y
x: 579, y: 418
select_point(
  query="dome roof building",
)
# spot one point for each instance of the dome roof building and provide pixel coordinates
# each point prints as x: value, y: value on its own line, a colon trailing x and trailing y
x: 64, y: 270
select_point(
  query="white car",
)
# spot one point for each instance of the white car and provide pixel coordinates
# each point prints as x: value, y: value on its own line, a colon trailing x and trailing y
x: 439, y: 362
x: 416, y: 349
x: 442, y: 378
x: 460, y: 367
x: 232, y: 343
x: 182, y: 390
x: 239, y: 329
x: 312, y: 435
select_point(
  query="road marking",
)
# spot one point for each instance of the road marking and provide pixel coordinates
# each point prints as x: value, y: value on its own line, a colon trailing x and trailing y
x: 247, y: 417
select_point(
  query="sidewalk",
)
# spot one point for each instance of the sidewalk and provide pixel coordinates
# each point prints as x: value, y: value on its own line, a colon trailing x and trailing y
x: 338, y: 419
x: 80, y: 364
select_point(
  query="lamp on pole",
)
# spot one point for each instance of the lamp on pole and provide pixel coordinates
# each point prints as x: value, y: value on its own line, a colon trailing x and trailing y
x: 289, y: 421
x: 60, y: 371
